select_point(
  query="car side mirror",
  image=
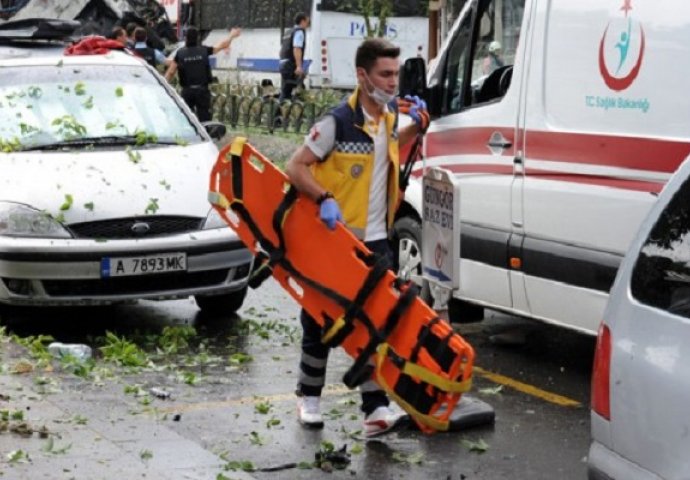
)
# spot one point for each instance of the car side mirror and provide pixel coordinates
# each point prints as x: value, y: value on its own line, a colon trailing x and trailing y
x: 216, y: 130
x: 413, y: 78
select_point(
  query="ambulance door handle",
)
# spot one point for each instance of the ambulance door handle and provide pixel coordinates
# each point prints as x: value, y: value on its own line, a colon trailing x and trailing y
x: 497, y: 140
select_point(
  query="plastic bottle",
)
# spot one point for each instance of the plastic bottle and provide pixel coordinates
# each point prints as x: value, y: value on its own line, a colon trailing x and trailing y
x: 77, y: 350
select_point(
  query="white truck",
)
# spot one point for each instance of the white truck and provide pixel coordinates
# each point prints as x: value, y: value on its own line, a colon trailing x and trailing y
x: 335, y: 35
x: 545, y: 153
x: 336, y: 31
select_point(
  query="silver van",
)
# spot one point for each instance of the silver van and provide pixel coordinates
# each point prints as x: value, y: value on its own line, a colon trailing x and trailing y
x: 641, y: 377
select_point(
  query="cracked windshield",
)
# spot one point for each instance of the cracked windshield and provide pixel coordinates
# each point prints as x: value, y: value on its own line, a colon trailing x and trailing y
x: 44, y: 106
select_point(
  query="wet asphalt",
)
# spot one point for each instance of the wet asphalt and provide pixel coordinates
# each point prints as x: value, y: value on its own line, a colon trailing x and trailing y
x: 231, y: 391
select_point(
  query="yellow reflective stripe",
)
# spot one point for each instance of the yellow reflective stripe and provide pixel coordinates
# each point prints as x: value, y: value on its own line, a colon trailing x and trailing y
x: 337, y: 325
x: 216, y: 198
x: 427, y: 420
x: 238, y: 146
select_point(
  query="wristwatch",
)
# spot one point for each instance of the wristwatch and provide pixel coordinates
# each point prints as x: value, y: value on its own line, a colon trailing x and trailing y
x: 323, y: 197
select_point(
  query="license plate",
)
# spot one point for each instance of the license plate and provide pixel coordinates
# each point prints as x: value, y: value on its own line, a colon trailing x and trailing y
x: 143, y: 265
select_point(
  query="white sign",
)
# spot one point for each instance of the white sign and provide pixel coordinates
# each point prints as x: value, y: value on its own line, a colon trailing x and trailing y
x: 440, y: 228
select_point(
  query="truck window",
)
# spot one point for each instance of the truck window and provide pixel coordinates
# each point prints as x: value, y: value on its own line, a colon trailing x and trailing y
x: 661, y: 277
x: 492, y: 44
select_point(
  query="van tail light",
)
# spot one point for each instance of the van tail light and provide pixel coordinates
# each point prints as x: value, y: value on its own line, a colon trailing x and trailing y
x: 601, y: 375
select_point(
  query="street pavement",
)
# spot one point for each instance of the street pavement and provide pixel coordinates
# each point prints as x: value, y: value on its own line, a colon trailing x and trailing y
x: 232, y: 405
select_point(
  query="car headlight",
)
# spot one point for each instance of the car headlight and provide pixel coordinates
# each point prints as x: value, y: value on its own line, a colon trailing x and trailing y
x: 18, y: 220
x: 214, y: 220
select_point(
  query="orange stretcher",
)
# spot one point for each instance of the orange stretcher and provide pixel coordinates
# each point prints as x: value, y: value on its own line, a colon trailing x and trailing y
x: 380, y: 321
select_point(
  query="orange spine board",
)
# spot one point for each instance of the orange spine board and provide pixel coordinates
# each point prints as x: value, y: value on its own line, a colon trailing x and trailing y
x: 329, y: 257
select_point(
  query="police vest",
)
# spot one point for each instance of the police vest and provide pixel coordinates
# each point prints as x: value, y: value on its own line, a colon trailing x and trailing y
x: 148, y: 54
x: 286, y: 52
x: 193, y: 67
x: 348, y: 169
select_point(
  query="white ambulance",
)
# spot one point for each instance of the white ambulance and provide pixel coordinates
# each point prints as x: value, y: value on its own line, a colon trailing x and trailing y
x: 556, y: 125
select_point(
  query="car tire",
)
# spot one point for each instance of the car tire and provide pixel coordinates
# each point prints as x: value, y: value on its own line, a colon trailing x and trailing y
x: 407, y: 246
x: 218, y: 304
x: 460, y: 311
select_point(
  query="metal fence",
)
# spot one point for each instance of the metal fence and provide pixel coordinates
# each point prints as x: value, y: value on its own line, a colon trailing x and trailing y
x: 246, y: 106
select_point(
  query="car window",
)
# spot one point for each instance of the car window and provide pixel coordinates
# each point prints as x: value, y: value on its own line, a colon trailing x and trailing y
x: 661, y: 277
x: 46, y: 104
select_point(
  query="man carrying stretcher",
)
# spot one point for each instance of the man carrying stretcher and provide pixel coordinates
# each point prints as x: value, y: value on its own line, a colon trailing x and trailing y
x: 349, y: 166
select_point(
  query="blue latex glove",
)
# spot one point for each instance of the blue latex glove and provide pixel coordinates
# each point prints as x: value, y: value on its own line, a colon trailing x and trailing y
x: 415, y: 110
x: 330, y: 213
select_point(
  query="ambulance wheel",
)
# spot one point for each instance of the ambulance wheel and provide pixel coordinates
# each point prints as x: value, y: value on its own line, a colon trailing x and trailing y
x: 460, y: 311
x: 218, y: 304
x: 407, y: 245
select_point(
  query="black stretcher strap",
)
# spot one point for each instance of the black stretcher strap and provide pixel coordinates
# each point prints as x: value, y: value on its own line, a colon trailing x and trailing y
x: 361, y: 367
x: 360, y: 370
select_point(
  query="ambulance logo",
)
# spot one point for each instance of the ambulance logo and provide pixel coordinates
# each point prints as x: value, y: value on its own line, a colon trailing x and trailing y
x: 623, y: 67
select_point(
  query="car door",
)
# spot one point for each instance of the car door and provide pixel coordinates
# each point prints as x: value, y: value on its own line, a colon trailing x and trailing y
x: 475, y: 90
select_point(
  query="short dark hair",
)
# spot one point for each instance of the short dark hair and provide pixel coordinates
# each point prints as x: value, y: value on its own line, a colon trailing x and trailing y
x: 131, y: 26
x: 372, y: 49
x: 139, y: 34
x: 300, y: 17
x: 116, y: 32
x: 192, y: 37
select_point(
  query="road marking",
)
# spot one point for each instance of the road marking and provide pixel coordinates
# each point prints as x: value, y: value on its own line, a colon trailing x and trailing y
x: 526, y: 388
x: 339, y: 389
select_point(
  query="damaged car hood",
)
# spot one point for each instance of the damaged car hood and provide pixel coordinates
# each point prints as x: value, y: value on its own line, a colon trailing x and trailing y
x: 102, y: 183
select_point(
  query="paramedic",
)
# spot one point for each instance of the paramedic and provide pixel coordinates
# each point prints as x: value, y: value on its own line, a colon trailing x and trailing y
x: 363, y: 133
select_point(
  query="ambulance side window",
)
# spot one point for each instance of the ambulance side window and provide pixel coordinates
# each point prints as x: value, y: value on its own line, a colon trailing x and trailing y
x: 456, y: 68
x: 491, y: 45
x: 499, y: 24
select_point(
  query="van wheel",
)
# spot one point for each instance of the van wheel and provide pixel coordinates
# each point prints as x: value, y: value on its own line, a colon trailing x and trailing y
x: 407, y: 245
x: 460, y: 311
x: 219, y: 304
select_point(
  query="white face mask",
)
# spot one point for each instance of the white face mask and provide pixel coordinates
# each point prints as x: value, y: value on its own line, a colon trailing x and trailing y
x: 378, y: 95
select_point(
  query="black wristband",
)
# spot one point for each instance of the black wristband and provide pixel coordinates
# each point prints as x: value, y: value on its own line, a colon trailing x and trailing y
x: 323, y: 197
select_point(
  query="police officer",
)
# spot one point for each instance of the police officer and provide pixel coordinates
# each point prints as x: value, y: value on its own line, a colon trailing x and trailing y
x: 152, y: 56
x: 192, y: 64
x: 292, y: 56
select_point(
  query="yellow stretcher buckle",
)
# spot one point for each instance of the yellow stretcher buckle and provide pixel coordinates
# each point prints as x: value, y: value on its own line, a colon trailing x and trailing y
x: 218, y: 199
x: 335, y: 328
x: 238, y: 146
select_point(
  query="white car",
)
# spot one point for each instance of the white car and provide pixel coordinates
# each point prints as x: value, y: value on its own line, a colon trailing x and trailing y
x: 641, y: 378
x: 103, y: 191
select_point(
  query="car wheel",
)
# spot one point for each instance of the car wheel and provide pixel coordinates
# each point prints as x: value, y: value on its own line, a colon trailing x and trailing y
x: 407, y: 244
x: 225, y: 303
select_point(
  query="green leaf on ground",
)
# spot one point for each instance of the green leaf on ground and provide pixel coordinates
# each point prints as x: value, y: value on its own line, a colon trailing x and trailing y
x: 491, y: 390
x: 479, y: 446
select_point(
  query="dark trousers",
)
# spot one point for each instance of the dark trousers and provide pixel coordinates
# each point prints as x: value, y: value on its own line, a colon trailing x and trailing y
x: 288, y: 80
x: 199, y: 101
x: 315, y: 354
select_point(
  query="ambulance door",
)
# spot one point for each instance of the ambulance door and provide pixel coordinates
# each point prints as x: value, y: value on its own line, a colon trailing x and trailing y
x: 475, y: 89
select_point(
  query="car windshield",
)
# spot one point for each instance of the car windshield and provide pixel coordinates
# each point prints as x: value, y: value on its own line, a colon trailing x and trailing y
x: 58, y: 105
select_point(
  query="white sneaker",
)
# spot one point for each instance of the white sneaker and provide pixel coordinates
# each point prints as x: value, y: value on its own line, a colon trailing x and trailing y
x: 381, y: 420
x: 309, y: 412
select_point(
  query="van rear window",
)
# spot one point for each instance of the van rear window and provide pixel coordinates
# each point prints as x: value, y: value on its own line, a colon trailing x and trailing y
x: 661, y: 277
